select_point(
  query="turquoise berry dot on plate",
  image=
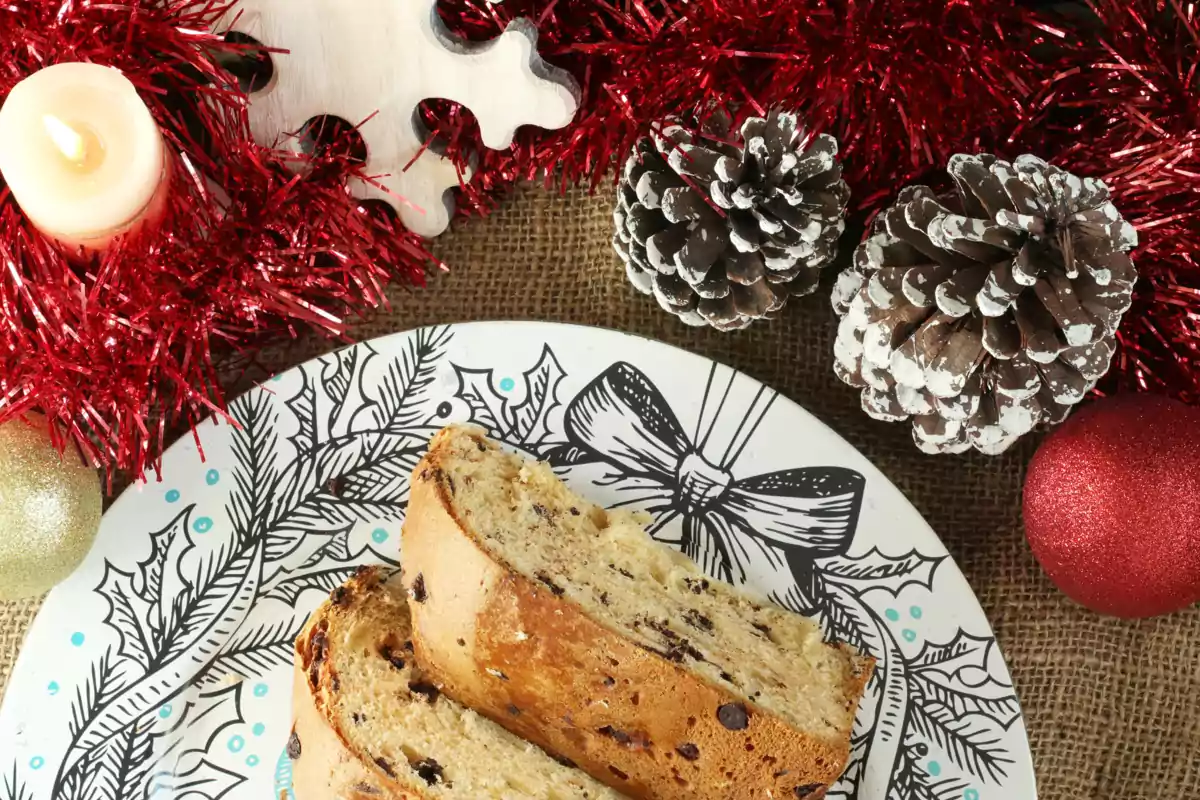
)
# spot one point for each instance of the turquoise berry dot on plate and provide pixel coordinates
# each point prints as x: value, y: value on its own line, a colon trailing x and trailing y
x: 212, y: 477
x: 909, y: 635
x: 202, y: 525
x: 892, y: 614
x: 971, y: 794
x: 916, y: 612
x: 507, y: 385
x: 236, y: 743
x: 252, y: 761
x: 53, y: 687
x: 165, y: 711
x: 260, y: 690
x: 77, y: 639
x: 173, y: 496
x: 379, y: 535
x: 37, y: 762
x: 258, y: 728
x: 935, y: 768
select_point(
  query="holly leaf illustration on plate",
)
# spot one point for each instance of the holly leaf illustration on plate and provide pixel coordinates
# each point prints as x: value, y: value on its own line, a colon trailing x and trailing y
x: 204, y: 780
x: 218, y: 602
x: 290, y: 587
x: 522, y: 423
x: 877, y: 570
x: 122, y: 768
x: 129, y: 615
x: 956, y: 675
x: 303, y: 406
x: 541, y: 397
x: 187, y: 772
x: 160, y: 582
x: 314, y: 552
x: 151, y: 569
x: 341, y: 379
x: 844, y: 617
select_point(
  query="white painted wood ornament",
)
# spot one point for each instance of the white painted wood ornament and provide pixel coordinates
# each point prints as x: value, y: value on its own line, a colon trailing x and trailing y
x: 376, y: 60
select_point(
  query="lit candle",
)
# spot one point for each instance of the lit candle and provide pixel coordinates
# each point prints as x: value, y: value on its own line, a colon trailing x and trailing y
x: 82, y: 154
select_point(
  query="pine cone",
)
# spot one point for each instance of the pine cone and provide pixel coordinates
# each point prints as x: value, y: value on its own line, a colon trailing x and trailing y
x: 989, y: 310
x: 722, y: 235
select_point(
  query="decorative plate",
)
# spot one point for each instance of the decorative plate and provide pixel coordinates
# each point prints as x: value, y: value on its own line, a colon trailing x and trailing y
x: 162, y: 667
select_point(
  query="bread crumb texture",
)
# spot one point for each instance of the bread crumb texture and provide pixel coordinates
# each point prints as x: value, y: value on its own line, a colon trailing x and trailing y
x: 356, y: 656
x: 603, y: 561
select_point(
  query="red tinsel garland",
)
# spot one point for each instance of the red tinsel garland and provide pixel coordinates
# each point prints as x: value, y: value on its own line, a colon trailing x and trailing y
x: 1125, y: 105
x: 119, y: 350
x: 903, y: 84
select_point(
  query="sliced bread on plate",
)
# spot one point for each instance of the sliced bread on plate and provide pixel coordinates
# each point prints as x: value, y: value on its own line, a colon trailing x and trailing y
x: 370, y: 726
x: 571, y: 627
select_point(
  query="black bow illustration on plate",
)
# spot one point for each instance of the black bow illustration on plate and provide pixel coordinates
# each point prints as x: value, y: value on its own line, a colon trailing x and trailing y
x: 734, y: 528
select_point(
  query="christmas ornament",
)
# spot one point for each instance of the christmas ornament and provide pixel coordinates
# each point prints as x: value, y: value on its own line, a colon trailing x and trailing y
x: 119, y: 349
x: 988, y: 310
x: 374, y: 64
x: 848, y: 69
x: 1122, y: 106
x: 1112, y: 506
x: 50, y: 507
x: 723, y: 233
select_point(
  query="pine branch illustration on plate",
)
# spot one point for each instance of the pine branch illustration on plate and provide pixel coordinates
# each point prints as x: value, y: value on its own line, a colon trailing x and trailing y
x: 946, y: 693
x: 216, y: 598
x: 254, y: 447
x: 405, y: 386
x: 837, y: 586
x: 910, y: 782
x: 14, y: 788
x: 202, y: 590
x: 201, y: 610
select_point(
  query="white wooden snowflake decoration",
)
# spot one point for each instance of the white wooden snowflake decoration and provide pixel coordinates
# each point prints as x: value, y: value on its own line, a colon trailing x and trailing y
x: 376, y: 60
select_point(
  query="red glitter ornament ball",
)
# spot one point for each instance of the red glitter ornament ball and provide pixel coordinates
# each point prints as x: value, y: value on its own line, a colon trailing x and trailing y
x: 1112, y: 506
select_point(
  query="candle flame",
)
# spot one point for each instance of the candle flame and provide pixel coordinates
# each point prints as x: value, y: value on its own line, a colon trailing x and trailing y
x: 68, y: 140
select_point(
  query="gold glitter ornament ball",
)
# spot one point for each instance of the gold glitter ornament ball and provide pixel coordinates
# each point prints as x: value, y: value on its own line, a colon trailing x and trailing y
x: 50, y: 508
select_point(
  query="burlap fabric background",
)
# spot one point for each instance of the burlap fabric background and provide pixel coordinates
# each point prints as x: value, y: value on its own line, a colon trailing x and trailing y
x: 1111, y: 706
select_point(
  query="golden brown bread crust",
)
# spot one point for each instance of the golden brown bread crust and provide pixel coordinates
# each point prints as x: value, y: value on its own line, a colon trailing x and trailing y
x: 536, y: 663
x: 323, y: 765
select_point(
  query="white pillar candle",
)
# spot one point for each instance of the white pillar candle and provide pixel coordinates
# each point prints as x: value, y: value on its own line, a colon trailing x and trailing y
x: 82, y: 154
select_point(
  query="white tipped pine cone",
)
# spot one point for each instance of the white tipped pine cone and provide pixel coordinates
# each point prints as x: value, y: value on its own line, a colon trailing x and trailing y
x: 989, y: 310
x: 722, y: 234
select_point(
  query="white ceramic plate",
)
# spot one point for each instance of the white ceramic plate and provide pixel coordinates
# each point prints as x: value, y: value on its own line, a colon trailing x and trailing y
x: 161, y: 669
